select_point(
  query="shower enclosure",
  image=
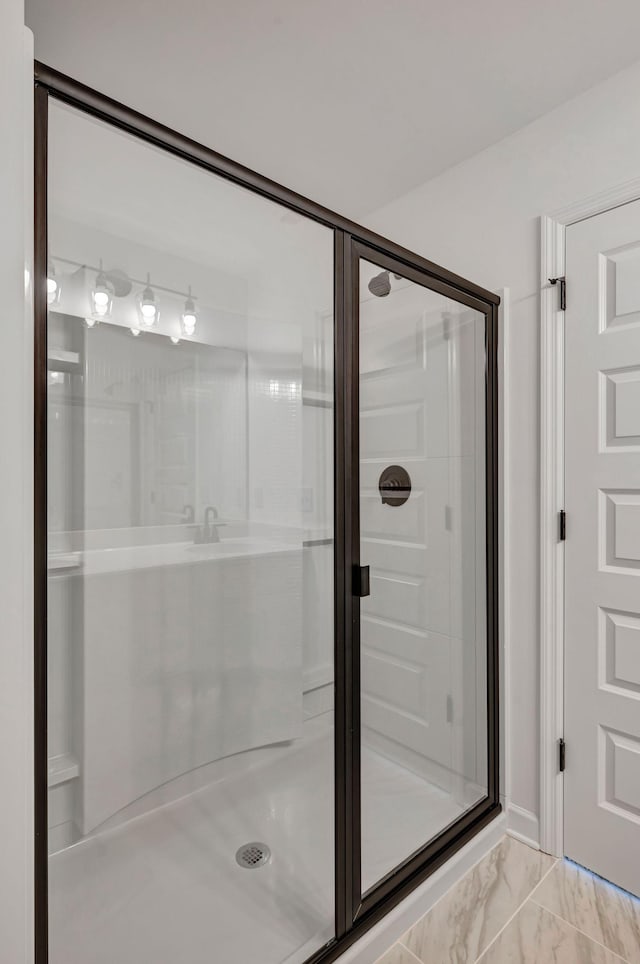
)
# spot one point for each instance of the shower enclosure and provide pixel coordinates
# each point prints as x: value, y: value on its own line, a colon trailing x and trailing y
x: 266, y: 556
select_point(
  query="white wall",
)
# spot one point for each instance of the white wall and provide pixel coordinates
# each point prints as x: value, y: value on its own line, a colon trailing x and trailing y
x: 480, y: 219
x: 16, y: 433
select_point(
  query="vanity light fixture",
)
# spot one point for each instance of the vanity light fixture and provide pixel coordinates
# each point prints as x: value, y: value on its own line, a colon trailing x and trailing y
x: 101, y: 299
x: 148, y: 306
x: 189, y: 316
x: 53, y: 286
x: 116, y: 283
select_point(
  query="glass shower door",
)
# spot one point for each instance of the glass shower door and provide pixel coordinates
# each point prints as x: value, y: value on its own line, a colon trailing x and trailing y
x: 423, y: 623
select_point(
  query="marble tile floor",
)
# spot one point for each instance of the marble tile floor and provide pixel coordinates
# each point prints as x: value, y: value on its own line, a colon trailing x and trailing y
x: 520, y: 906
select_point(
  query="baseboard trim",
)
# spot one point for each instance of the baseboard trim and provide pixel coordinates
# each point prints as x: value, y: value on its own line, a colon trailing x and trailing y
x: 397, y: 922
x: 523, y: 825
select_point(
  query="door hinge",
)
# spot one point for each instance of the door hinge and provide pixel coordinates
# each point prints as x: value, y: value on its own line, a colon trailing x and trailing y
x: 562, y: 525
x: 562, y: 281
x: 562, y: 755
x: 361, y: 581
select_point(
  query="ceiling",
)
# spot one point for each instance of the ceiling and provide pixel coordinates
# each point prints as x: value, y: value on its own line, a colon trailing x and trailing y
x: 351, y: 102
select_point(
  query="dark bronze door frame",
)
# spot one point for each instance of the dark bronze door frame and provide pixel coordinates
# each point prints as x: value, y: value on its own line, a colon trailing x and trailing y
x: 355, y: 913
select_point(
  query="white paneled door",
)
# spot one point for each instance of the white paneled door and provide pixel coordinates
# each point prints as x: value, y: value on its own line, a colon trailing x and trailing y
x: 423, y: 636
x: 406, y: 629
x: 602, y: 632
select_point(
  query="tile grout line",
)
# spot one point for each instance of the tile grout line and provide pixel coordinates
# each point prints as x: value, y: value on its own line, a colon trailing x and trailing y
x: 517, y: 910
x: 409, y: 951
x: 450, y: 889
x: 579, y: 930
x: 544, y: 876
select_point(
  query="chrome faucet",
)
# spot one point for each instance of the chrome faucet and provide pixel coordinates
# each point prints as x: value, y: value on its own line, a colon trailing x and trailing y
x: 209, y: 531
x: 187, y: 514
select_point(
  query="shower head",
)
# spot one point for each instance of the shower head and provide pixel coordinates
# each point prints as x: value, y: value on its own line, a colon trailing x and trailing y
x: 380, y: 285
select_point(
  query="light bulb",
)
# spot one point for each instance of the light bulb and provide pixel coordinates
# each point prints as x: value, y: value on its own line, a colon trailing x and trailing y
x: 174, y: 339
x: 91, y: 322
x: 135, y: 332
x: 101, y: 297
x: 148, y: 306
x: 189, y: 323
x: 53, y: 286
x: 189, y: 316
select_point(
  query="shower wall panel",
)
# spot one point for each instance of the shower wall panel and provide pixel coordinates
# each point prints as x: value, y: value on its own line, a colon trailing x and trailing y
x: 179, y: 672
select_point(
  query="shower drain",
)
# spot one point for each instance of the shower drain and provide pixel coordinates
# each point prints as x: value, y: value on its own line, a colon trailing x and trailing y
x: 253, y: 855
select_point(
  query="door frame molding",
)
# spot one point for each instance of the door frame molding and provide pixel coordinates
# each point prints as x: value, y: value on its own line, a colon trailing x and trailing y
x: 552, y: 556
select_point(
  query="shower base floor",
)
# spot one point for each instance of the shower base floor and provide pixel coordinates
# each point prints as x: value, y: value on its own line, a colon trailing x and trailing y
x: 165, y: 887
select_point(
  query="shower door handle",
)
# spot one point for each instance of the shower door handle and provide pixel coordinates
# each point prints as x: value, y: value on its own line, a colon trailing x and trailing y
x: 361, y: 581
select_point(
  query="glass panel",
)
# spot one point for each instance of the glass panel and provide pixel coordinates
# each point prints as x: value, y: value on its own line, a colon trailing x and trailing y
x: 422, y: 531
x: 190, y: 562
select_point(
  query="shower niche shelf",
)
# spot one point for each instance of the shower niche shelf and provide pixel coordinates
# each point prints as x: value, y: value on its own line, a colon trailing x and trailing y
x: 317, y: 399
x: 61, y: 769
x: 64, y: 560
x: 61, y: 360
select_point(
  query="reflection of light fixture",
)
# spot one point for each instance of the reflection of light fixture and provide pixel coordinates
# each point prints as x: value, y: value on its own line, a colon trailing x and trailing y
x: 148, y: 307
x: 279, y: 389
x: 116, y: 284
x: 101, y: 298
x: 53, y: 286
x: 189, y: 316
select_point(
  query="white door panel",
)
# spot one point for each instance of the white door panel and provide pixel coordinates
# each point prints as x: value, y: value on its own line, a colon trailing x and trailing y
x: 619, y: 664
x: 400, y: 683
x: 378, y: 522
x: 398, y: 556
x: 602, y: 578
x: 419, y: 385
x: 398, y: 642
x: 423, y: 625
x: 402, y: 423
x: 397, y: 598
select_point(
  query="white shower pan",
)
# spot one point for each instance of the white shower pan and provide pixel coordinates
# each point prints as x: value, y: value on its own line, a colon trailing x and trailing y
x: 166, y: 886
